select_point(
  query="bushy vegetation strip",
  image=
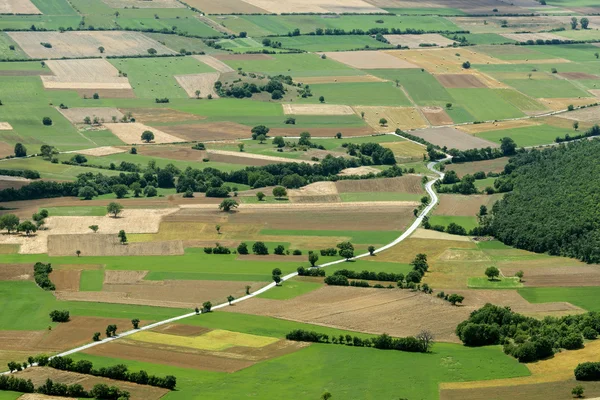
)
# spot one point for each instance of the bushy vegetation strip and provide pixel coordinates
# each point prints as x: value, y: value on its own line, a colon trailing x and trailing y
x: 41, y: 274
x: 23, y: 173
x: 51, y: 388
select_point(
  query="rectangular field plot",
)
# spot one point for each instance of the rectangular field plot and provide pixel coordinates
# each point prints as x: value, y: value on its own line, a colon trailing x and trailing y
x: 18, y: 7
x: 367, y: 93
x: 330, y: 43
x: 85, y: 44
x: 413, y: 41
x: 143, y: 3
x: 466, y: 222
x: 369, y: 60
x: 485, y: 104
x: 84, y: 74
x: 547, y: 88
x: 422, y: 87
x: 452, y: 138
x: 584, y: 297
x: 527, y: 136
x: 316, y: 6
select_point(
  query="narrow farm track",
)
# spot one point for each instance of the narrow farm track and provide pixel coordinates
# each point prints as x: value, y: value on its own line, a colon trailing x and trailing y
x: 406, y: 234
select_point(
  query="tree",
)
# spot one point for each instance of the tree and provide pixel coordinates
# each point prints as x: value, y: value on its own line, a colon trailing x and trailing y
x: 426, y: 338
x: 230, y: 298
x: 277, y: 279
x: 260, y: 196
x: 228, y: 205
x: 150, y: 191
x: 278, y: 141
x: 279, y: 192
x: 248, y: 289
x: 520, y: 275
x: 508, y: 146
x: 383, y: 121
x: 10, y: 222
x: 597, y: 55
x: 206, y: 307
x: 321, y: 99
x: 147, y: 136
x: 87, y: 193
x: 218, y: 228
x: 313, y: 258
x: 371, y: 250
x: 94, y: 228
x: 136, y: 323
x: 47, y: 121
x: 198, y: 94
x: 261, y: 139
x: 101, y: 49
x: 111, y: 330
x: 114, y: 209
x: 20, y: 150
x: 573, y: 23
x: 260, y: 249
x: 165, y: 179
x: 136, y: 188
x: 466, y: 65
x: 338, y: 135
x: 27, y: 227
x: 152, y: 51
x: 96, y: 337
x: 259, y: 130
x: 241, y: 147
x: 492, y: 273
x: 242, y: 248
x: 78, y: 252
x: 120, y: 190
x: 448, y: 105
x: 455, y: 298
x: 346, y: 250
x: 47, y: 151
x: 122, y: 237
x: 575, y: 125
x: 585, y: 22
x: 577, y: 391
x: 326, y: 396
x: 362, y: 114
x: 197, y: 310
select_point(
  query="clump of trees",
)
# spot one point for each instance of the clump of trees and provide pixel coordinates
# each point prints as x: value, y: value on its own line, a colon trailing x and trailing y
x: 41, y: 274
x: 310, y: 271
x: 420, y: 344
x: 371, y: 153
x: 59, y: 316
x: 218, y: 249
x: 588, y: 371
x: 370, y: 275
x: 526, y: 338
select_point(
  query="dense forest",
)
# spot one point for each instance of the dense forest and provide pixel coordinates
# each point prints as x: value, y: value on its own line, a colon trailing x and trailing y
x: 554, y: 205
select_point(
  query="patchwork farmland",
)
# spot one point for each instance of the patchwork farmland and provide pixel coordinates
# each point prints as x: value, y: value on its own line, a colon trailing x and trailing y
x: 241, y: 198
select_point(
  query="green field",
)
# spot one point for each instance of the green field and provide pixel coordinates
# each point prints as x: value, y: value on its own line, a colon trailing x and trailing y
x: 528, y: 136
x: 466, y: 222
x: 6, y: 53
x: 86, y: 211
x: 330, y: 43
x: 484, y: 104
x: 359, y: 93
x: 584, y: 297
x: 500, y: 283
x: 520, y: 101
x: 52, y: 171
x: 177, y: 43
x: 91, y: 280
x: 356, y: 237
x: 422, y: 87
x: 290, y: 289
x: 320, y: 367
x: 545, y: 88
x: 154, y: 77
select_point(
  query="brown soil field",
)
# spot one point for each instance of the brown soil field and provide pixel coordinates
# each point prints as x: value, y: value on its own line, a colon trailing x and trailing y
x: 13, y: 182
x: 497, y: 126
x: 435, y: 235
x: 188, y: 154
x: 149, y: 115
x: 5, y: 126
x: 595, y: 92
x: 557, y: 276
x: 18, y: 7
x: 131, y: 133
x: 577, y: 75
x: 214, y: 63
x: 443, y: 61
x: 317, y: 109
x: 6, y: 149
x: 591, y: 114
x: 437, y: 116
x: 66, y: 279
x: 523, y: 37
x: 108, y: 245
x: 37, y: 396
x: 339, y: 79
x: 562, y: 104
x: 358, y: 171
x: 112, y: 277
x: 413, y: 41
x: 402, y: 184
x: 452, y: 138
x: 322, y: 132
x: 316, y: 6
x: 83, y: 74
x: 86, y: 43
x: 318, y: 192
x: 269, y: 159
x: 143, y: 3
x: 101, y: 151
x: 204, y: 82
x: 496, y: 165
x: 459, y: 81
x: 225, y: 7
x: 366, y: 310
x: 369, y: 60
x: 38, y: 375
x: 405, y: 118
x: 208, y: 131
x: 77, y: 115
x: 459, y: 205
x: 558, y: 390
x: 16, y: 272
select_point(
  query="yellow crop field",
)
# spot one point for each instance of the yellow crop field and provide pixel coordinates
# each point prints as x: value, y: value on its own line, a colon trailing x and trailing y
x: 216, y: 340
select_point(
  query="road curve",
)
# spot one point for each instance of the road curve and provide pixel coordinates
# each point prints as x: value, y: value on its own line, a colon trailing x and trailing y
x: 406, y: 234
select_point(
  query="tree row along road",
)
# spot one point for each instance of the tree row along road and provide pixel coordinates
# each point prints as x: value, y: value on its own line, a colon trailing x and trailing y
x: 406, y: 234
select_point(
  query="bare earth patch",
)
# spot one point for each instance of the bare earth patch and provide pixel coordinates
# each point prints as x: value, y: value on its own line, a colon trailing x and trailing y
x: 435, y: 235
x: 497, y: 126
x: 5, y: 126
x: 460, y: 205
x: 86, y: 43
x: 437, y: 116
x: 18, y: 7
x: 317, y: 109
x: 401, y: 184
x: 83, y: 74
x: 413, y: 41
x: 102, y: 151
x: 214, y: 63
x: 369, y: 60
x: 452, y: 138
x: 209, y: 131
x: 459, y: 81
x: 256, y: 156
x: 37, y: 396
x: 443, y: 61
x: 591, y: 114
x: 558, y: 276
x: 359, y: 171
x: 66, y: 279
x: 15, y: 182
x: 315, y: 193
x: 149, y: 115
x: 123, y: 277
x: 16, y: 272
x: 77, y: 114
x: 404, y: 118
x: 131, y: 133
x: 204, y: 82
